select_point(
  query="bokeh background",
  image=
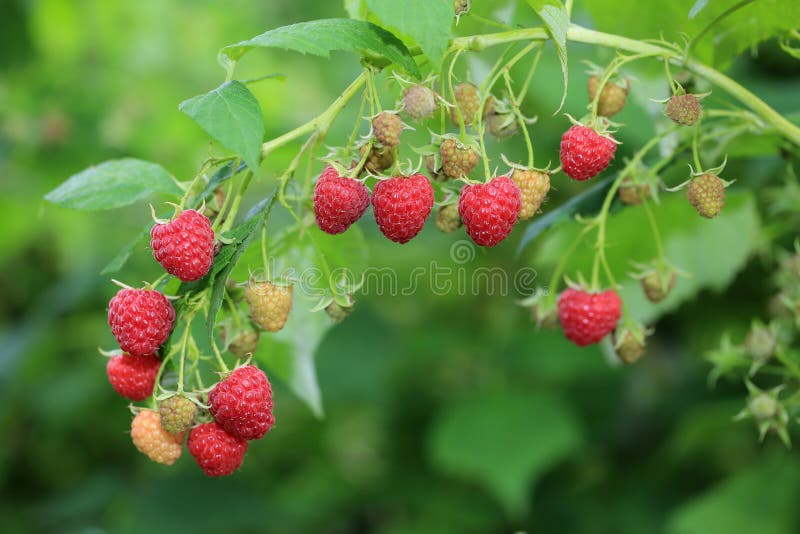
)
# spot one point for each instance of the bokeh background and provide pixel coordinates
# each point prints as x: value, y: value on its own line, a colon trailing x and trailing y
x: 443, y: 413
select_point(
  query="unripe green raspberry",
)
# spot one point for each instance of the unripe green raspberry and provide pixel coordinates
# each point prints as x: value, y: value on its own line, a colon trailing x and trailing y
x: 468, y: 101
x: 387, y: 127
x: 177, y: 414
x: 683, y: 109
x: 533, y: 187
x: 379, y: 159
x: 760, y: 343
x: 447, y: 218
x: 612, y: 97
x: 337, y: 312
x: 763, y: 406
x: 419, y: 102
x: 631, y: 193
x: 656, y: 285
x: 707, y: 194
x: 461, y: 6
x: 457, y: 160
x: 629, y: 348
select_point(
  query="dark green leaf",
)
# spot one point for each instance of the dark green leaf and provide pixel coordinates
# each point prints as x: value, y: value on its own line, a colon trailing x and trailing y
x: 223, y: 174
x: 321, y: 37
x: 113, y: 184
x: 504, y: 440
x: 428, y: 22
x: 231, y: 115
x: 556, y: 20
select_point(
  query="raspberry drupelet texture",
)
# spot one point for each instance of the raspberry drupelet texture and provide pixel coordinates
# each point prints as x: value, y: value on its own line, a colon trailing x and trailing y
x: 269, y: 304
x: 215, y: 451
x: 401, y: 206
x: 387, y: 127
x: 141, y: 320
x: 585, y: 153
x: 588, y: 317
x: 242, y: 403
x: 489, y: 211
x: 457, y: 160
x: 533, y: 187
x: 184, y: 246
x: 152, y: 440
x: 133, y: 377
x: 339, y: 201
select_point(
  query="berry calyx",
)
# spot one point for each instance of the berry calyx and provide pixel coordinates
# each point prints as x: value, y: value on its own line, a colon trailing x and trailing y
x: 585, y: 153
x: 339, y: 201
x: 490, y: 210
x: 401, y: 205
x: 217, y: 452
x: 533, y: 187
x: 387, y: 127
x: 141, y: 320
x: 152, y: 440
x: 707, y: 194
x: 184, y: 246
x: 133, y: 377
x: 269, y: 303
x: 177, y: 414
x: 588, y: 317
x: 457, y: 160
x: 629, y: 342
x: 242, y: 403
x: 499, y: 117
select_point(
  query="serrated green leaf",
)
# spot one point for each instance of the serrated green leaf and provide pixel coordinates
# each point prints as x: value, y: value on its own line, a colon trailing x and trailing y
x: 231, y: 115
x: 113, y: 184
x: 556, y: 20
x: 119, y: 261
x: 504, y: 440
x: 229, y: 255
x: 428, y: 22
x: 321, y: 37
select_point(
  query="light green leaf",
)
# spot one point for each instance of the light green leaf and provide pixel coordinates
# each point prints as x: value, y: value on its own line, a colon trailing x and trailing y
x: 356, y: 9
x: 231, y: 115
x: 556, y: 20
x: 759, y: 500
x: 113, y: 184
x: 712, y: 251
x: 321, y: 37
x: 504, y: 440
x: 428, y: 22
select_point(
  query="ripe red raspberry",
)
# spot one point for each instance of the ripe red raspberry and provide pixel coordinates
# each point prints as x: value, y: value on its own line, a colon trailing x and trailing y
x: 184, y: 246
x: 242, y: 403
x: 490, y: 210
x: 339, y: 201
x: 468, y: 101
x: 588, y: 317
x: 401, y: 205
x: 140, y: 319
x: 152, y: 440
x: 707, y: 194
x: 585, y: 153
x: 387, y: 127
x: 133, y: 377
x: 419, y: 102
x: 215, y: 451
x: 457, y: 160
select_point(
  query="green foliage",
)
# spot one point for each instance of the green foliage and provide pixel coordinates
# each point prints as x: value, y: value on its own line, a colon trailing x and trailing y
x: 113, y: 184
x: 505, y: 439
x: 321, y: 37
x: 427, y: 21
x: 556, y: 20
x: 231, y: 115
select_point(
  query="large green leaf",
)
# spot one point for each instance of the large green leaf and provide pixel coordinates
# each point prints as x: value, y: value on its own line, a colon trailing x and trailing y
x: 289, y: 353
x: 760, y: 500
x: 113, y: 184
x: 321, y: 37
x: 556, y: 20
x: 429, y: 22
x: 712, y: 251
x: 231, y: 115
x: 505, y: 440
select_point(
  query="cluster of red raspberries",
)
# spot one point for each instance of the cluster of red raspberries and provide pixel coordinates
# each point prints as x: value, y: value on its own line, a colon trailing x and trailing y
x: 220, y: 424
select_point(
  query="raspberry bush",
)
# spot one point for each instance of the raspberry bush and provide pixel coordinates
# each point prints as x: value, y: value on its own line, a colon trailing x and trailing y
x: 200, y: 341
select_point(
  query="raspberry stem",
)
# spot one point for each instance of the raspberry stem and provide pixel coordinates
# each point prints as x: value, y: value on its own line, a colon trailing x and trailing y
x: 521, y: 120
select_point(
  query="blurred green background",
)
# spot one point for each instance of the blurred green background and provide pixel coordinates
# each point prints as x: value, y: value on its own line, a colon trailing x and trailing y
x: 443, y: 413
